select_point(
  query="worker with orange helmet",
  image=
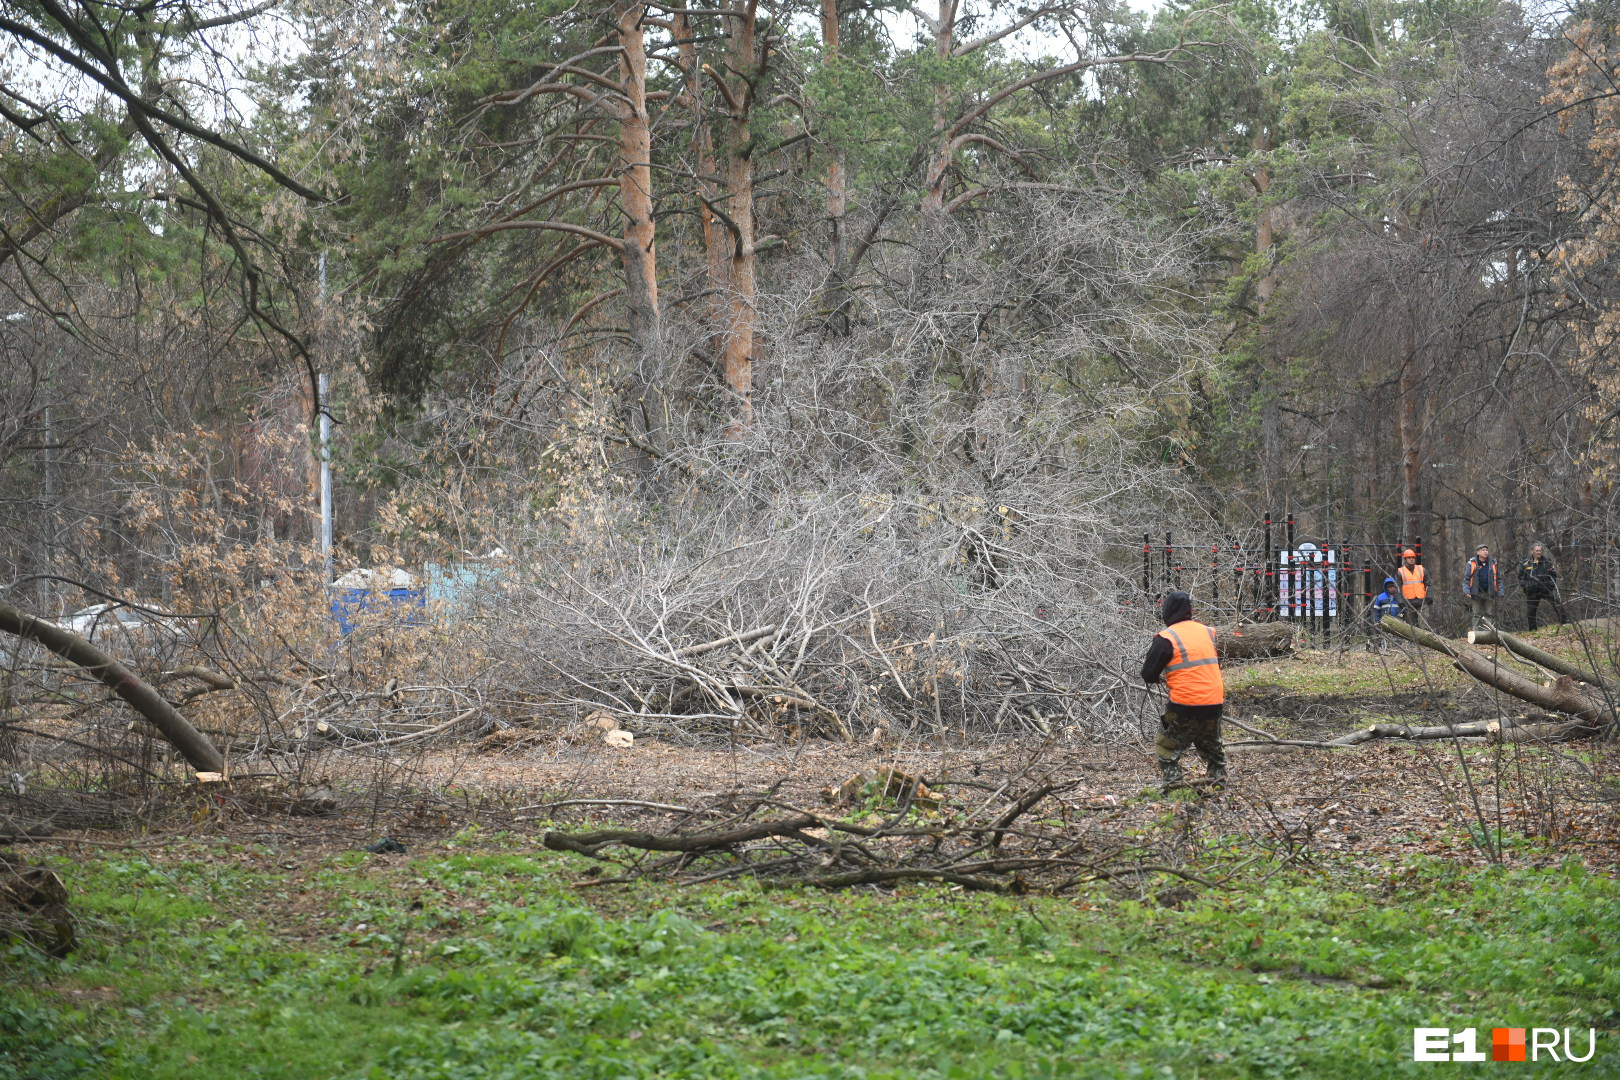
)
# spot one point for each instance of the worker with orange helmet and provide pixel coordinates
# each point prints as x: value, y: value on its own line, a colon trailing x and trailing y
x: 1414, y: 582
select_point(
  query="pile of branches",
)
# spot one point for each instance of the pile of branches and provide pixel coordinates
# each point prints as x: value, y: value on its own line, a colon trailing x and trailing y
x: 860, y: 618
x: 1011, y: 840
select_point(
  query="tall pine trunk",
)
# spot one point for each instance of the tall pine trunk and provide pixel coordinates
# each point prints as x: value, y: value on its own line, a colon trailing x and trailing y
x: 939, y: 162
x: 635, y: 182
x: 746, y: 60
x: 837, y: 194
x: 708, y: 182
x: 638, y: 253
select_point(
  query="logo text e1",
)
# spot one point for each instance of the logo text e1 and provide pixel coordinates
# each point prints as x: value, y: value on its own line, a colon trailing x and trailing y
x: 1507, y: 1044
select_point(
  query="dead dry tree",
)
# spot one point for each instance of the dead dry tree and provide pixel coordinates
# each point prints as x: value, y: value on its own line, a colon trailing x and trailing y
x: 923, y: 530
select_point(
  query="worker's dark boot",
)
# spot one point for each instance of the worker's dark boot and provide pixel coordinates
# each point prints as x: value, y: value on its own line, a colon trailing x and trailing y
x: 1215, y: 762
x: 1171, y: 771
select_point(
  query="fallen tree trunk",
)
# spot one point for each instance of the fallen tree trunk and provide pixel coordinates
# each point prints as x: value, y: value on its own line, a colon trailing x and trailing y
x: 1506, y: 730
x: 1407, y: 731
x: 592, y: 842
x: 374, y: 735
x: 1535, y: 655
x: 1563, y: 696
x: 1255, y: 641
x: 874, y: 876
x: 1539, y: 733
x: 195, y: 747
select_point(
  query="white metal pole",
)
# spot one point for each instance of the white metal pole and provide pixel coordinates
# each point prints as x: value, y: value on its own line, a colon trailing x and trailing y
x: 326, y: 478
x: 49, y: 586
x: 324, y: 388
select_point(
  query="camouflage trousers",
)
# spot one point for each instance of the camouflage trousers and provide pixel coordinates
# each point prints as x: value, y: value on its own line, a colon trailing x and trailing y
x: 1181, y: 727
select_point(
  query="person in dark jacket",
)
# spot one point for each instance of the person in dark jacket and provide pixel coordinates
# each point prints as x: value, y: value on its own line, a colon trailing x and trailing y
x: 1387, y: 602
x: 1539, y: 579
x: 1183, y: 654
x: 1482, y: 584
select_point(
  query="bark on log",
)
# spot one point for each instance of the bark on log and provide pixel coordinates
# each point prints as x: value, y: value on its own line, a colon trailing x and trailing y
x: 1564, y: 696
x: 212, y: 679
x: 192, y: 744
x: 1255, y: 641
x: 1538, y: 656
x: 590, y: 843
x: 1539, y: 733
x: 1407, y: 731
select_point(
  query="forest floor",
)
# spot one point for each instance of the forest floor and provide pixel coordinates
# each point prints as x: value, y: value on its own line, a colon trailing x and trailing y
x: 1359, y: 894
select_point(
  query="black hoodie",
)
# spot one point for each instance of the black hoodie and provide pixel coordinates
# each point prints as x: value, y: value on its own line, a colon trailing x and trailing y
x: 1177, y: 608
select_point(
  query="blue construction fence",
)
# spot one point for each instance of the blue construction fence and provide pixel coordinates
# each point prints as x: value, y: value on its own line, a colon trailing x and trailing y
x: 395, y: 597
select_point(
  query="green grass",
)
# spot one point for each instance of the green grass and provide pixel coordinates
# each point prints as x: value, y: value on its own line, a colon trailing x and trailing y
x: 505, y: 972
x: 1402, y: 668
x: 1354, y: 673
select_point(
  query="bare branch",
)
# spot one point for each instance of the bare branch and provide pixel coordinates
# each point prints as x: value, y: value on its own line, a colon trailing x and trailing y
x: 554, y: 226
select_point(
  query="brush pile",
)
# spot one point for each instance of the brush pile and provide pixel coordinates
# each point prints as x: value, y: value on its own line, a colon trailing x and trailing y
x: 1017, y: 837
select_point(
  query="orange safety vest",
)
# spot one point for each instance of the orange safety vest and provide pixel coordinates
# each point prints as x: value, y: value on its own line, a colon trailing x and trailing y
x: 1194, y: 672
x: 1414, y: 582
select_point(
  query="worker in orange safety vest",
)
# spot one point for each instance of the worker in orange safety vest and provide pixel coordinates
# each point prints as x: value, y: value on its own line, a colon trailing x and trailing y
x: 1414, y: 583
x: 1183, y: 653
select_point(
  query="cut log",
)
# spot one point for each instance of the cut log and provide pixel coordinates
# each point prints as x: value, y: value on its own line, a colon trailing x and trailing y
x: 1407, y: 731
x: 1563, y: 696
x: 1539, y: 733
x: 1535, y: 655
x: 1255, y: 641
x: 714, y: 840
x: 176, y: 729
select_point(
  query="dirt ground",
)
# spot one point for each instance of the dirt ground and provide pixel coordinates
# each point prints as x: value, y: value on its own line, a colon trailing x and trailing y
x: 1372, y: 802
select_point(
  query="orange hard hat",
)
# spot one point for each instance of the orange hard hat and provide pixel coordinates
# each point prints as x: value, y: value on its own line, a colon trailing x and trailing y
x: 1408, y: 554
